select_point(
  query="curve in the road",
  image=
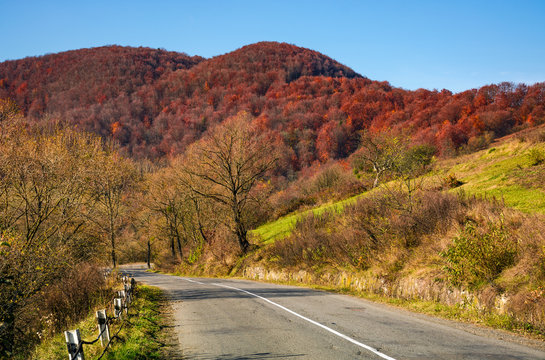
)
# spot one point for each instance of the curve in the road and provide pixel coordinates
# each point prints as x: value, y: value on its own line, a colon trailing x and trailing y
x: 239, y: 319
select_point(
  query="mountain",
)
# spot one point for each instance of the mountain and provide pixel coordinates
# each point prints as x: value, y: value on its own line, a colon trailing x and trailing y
x: 155, y: 102
x: 72, y: 79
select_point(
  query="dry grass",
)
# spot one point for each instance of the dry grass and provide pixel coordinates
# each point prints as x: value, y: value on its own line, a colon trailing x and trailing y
x: 392, y: 241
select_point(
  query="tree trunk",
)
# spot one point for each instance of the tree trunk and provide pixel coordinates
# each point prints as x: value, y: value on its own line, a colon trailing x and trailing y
x: 375, y: 183
x: 114, y: 262
x: 112, y: 237
x: 201, y: 230
x: 7, y: 331
x: 179, y: 246
x: 241, y: 232
x: 378, y: 174
x: 148, y: 258
x: 172, y: 247
x: 242, y: 240
x: 199, y: 222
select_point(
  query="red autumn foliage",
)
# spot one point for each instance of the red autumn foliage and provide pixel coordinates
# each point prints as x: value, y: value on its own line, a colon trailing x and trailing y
x: 312, y: 106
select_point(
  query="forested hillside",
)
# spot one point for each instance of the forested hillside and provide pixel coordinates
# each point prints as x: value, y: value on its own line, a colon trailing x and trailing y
x: 155, y: 103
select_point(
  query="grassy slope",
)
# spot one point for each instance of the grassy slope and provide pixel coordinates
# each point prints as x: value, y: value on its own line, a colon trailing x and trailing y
x: 282, y: 227
x: 502, y: 171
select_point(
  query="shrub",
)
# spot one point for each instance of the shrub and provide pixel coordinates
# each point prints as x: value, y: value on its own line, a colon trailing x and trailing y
x: 541, y: 136
x: 451, y: 181
x: 332, y: 182
x: 480, y: 142
x: 537, y: 156
x: 432, y: 212
x: 476, y: 257
x: 320, y: 240
x: 78, y: 290
x: 289, y: 200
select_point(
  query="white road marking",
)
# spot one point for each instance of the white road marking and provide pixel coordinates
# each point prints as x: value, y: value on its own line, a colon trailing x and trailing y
x: 348, y: 338
x: 193, y: 281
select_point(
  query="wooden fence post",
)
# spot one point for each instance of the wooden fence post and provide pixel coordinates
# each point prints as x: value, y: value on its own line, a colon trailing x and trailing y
x: 73, y: 340
x: 118, y: 306
x: 128, y: 293
x: 122, y: 294
x: 103, y: 327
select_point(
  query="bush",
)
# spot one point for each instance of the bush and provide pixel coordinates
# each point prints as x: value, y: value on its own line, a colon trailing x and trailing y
x: 77, y: 291
x: 332, y: 182
x: 433, y: 212
x: 366, y: 230
x: 306, y: 244
x: 316, y: 185
x: 476, y: 257
x: 480, y: 142
x: 541, y: 136
x: 289, y: 200
x: 537, y: 156
x: 450, y: 182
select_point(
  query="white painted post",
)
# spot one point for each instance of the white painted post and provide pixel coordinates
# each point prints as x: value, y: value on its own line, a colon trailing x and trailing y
x: 106, y: 273
x: 73, y: 340
x: 103, y: 327
x: 128, y: 294
x: 127, y: 297
x: 118, y: 306
x: 121, y: 294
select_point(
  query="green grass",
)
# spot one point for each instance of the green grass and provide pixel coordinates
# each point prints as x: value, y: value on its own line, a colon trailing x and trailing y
x: 497, y: 172
x: 283, y: 227
x: 500, y: 173
x: 139, y: 336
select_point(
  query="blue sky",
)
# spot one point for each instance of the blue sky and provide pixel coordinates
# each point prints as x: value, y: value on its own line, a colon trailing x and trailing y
x: 438, y: 44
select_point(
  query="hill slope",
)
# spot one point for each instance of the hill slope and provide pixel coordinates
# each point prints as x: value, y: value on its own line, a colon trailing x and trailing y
x: 155, y: 102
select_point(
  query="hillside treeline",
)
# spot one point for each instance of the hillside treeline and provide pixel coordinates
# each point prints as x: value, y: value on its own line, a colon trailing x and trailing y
x: 156, y: 103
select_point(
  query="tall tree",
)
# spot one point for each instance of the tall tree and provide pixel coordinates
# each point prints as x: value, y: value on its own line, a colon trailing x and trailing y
x: 111, y: 180
x: 43, y: 198
x: 173, y: 206
x: 226, y: 165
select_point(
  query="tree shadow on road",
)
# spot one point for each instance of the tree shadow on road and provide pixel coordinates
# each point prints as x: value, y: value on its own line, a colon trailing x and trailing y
x: 254, y: 356
x: 222, y: 293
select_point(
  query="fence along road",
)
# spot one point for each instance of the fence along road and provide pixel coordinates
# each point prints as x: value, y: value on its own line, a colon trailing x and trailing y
x: 238, y: 319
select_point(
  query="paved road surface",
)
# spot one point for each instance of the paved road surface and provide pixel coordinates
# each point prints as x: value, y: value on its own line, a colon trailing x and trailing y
x: 237, y: 319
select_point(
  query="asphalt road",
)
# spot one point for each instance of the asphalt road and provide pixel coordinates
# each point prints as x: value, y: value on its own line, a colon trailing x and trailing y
x: 238, y: 319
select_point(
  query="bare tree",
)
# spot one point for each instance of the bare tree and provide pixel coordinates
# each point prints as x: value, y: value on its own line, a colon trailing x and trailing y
x: 43, y: 198
x: 111, y: 179
x: 379, y: 153
x: 226, y: 165
x: 173, y: 205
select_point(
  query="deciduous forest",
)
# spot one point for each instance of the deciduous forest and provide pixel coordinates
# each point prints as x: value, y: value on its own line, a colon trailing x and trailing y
x: 155, y: 103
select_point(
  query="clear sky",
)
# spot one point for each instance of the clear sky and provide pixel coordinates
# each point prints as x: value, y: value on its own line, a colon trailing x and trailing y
x: 413, y: 44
